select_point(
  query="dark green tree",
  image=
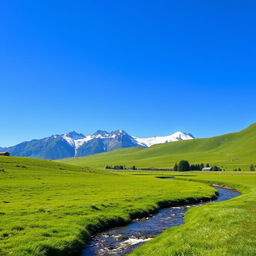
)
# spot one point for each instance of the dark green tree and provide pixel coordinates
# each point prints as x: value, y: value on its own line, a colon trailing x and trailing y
x: 216, y: 168
x: 183, y: 166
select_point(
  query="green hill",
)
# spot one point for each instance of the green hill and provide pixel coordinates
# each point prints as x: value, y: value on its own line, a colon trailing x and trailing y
x: 230, y: 151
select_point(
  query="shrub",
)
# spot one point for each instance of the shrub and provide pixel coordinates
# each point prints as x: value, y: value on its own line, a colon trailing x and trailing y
x: 216, y: 168
x: 252, y: 168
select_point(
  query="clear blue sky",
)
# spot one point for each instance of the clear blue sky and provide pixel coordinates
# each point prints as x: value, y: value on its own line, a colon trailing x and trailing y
x: 148, y: 67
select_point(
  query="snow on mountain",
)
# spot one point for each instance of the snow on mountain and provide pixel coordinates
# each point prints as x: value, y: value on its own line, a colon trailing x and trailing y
x: 69, y: 140
x: 147, y: 142
x: 72, y: 137
x: 77, y: 139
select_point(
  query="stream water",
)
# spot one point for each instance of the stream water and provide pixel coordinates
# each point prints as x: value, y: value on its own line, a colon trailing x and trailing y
x: 122, y: 240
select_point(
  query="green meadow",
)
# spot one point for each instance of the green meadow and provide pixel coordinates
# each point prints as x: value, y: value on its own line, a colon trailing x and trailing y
x: 230, y: 151
x: 49, y: 208
x: 221, y: 228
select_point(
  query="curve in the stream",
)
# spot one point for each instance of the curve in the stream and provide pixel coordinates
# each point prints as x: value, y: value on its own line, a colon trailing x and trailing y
x: 122, y: 240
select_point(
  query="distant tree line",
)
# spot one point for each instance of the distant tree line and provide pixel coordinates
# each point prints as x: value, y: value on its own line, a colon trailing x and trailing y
x: 184, y: 165
x: 181, y: 166
x: 252, y: 168
x: 123, y: 167
x: 216, y: 168
x: 154, y: 169
x: 120, y: 167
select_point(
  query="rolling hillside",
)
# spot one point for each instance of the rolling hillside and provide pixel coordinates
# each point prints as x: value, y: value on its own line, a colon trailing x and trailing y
x: 230, y: 151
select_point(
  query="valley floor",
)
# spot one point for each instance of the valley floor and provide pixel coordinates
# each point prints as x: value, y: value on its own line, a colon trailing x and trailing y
x: 50, y: 208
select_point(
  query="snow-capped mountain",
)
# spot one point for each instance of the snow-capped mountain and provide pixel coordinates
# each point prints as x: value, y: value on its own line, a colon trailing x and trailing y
x: 147, y: 142
x: 75, y: 144
x: 77, y: 140
x: 100, y: 141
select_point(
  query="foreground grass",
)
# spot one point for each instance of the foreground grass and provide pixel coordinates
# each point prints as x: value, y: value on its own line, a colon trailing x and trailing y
x: 228, y: 151
x: 224, y: 228
x: 49, y: 208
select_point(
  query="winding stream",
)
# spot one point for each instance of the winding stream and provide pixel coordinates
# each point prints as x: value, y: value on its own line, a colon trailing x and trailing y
x: 122, y: 240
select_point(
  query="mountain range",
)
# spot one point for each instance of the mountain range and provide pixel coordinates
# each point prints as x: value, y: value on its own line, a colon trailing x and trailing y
x: 229, y: 151
x: 75, y: 144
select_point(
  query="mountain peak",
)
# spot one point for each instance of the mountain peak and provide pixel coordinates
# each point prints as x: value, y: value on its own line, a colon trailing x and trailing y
x: 74, y: 135
x: 150, y: 141
x: 119, y: 132
x: 101, y: 133
x: 182, y: 135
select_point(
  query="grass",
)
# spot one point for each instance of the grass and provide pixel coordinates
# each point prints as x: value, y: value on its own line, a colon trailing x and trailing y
x: 228, y: 151
x: 223, y: 228
x: 49, y: 208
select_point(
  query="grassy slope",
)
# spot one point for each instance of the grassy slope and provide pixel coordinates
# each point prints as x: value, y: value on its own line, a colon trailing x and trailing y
x: 49, y: 208
x: 230, y: 150
x: 223, y: 228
